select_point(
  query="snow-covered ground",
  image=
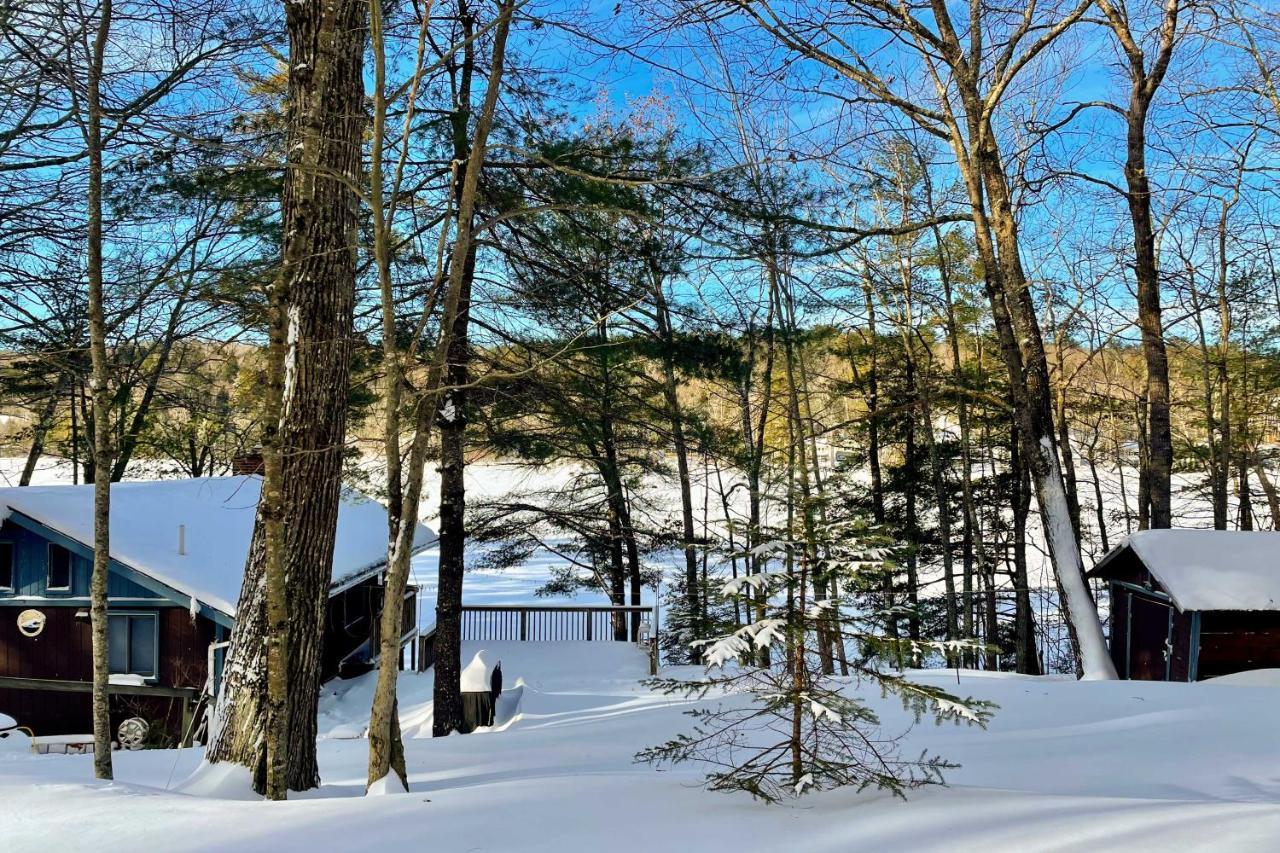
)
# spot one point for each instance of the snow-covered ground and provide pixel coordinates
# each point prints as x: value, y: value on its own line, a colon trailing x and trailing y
x: 1064, y: 765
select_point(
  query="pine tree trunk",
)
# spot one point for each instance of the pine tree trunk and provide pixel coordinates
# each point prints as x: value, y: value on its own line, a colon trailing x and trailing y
x: 40, y: 431
x: 872, y: 394
x: 1099, y: 504
x: 452, y: 364
x: 452, y: 421
x: 670, y: 391
x: 324, y: 134
x: 1028, y: 660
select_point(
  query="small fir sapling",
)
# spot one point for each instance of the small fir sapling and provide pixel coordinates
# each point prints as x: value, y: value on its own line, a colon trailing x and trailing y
x: 787, y: 728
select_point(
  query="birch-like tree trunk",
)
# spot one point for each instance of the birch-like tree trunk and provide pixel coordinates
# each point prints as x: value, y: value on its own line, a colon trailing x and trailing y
x: 99, y: 378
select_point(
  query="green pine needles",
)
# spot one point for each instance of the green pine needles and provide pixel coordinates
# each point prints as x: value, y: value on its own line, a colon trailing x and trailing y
x: 790, y: 719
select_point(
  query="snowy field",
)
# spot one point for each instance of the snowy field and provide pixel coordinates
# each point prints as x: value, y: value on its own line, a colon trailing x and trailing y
x: 1062, y: 766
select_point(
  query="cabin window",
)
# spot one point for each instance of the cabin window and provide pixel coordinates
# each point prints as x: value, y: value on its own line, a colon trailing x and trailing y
x: 131, y: 644
x: 6, y: 567
x: 59, y: 569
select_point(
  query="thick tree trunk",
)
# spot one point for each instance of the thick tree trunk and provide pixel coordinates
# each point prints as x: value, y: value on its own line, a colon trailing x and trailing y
x: 324, y: 134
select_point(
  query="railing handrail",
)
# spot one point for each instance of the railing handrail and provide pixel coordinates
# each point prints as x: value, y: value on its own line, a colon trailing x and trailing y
x: 570, y: 608
x: 524, y: 622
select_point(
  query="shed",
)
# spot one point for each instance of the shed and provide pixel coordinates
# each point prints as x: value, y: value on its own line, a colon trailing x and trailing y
x: 1193, y: 604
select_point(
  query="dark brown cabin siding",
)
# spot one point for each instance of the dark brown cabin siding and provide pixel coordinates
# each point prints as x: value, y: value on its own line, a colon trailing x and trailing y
x: 63, y: 650
x: 1237, y: 641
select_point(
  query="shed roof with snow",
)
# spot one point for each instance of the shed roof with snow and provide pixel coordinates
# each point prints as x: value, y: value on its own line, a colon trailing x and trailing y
x: 217, y: 515
x: 1202, y: 570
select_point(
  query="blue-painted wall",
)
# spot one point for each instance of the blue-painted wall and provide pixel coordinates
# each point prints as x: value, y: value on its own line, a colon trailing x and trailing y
x: 31, y: 569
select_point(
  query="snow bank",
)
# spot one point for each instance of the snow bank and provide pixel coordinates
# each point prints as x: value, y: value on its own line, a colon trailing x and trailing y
x: 1064, y: 765
x: 1250, y: 678
x: 221, y: 781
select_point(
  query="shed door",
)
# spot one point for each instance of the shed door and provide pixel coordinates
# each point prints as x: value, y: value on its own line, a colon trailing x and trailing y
x: 1148, y: 636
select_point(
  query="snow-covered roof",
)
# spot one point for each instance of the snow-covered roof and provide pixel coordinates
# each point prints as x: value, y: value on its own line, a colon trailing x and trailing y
x: 1209, y: 569
x: 217, y: 514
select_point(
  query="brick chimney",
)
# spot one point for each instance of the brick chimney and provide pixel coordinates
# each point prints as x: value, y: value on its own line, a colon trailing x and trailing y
x: 249, y: 462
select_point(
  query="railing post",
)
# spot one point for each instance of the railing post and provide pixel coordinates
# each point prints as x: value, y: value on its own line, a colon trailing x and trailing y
x: 524, y: 625
x: 589, y: 614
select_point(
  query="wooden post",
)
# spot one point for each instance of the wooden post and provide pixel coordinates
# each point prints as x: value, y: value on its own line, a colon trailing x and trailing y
x: 524, y: 625
x: 589, y: 614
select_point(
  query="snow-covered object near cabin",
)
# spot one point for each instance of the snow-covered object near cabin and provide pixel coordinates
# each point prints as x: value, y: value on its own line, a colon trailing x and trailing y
x: 12, y: 738
x: 1204, y: 570
x: 216, y: 515
x: 477, y: 676
x: 481, y: 682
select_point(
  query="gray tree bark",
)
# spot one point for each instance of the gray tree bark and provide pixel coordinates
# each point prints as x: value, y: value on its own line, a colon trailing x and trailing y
x: 325, y: 121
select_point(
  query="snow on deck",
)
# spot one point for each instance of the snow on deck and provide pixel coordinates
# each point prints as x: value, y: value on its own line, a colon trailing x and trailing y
x: 218, y: 515
x: 1213, y: 569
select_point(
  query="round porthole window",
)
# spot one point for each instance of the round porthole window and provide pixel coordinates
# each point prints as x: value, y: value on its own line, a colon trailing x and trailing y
x: 31, y: 623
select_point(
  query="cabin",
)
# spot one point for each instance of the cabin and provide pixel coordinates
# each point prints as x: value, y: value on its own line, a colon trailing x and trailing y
x: 1193, y: 604
x: 178, y: 549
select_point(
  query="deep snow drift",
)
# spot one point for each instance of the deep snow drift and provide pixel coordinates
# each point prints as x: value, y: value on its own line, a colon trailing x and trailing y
x: 1063, y: 765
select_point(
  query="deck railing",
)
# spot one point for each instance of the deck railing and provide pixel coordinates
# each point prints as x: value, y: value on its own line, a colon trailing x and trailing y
x: 534, y: 623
